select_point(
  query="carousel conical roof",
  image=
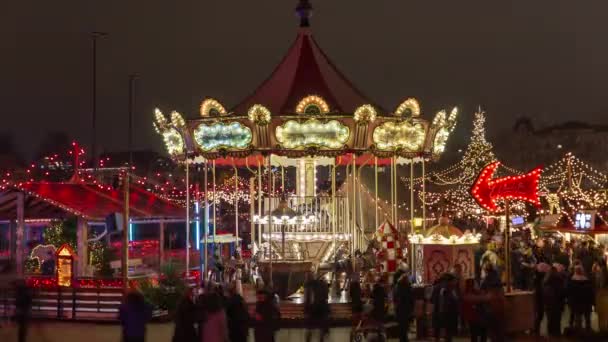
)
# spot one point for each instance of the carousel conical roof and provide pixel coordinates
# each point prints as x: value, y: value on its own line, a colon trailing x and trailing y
x: 305, y: 70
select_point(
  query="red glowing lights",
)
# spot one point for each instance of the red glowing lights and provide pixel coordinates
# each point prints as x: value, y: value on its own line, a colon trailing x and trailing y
x: 488, y: 191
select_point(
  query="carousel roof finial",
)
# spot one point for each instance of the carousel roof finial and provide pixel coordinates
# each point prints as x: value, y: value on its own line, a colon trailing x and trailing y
x: 304, y: 11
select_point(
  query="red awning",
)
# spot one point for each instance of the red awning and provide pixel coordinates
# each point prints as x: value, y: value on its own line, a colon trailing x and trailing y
x: 95, y: 202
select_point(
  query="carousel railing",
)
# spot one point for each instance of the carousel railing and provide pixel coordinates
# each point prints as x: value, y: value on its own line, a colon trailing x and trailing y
x: 318, y: 214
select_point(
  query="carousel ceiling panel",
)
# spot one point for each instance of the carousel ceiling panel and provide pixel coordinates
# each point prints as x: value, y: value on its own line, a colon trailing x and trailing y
x: 406, y: 135
x: 312, y: 133
x: 232, y: 135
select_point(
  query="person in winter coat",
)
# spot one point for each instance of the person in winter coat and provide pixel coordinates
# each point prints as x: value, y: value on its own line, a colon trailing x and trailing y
x: 553, y: 298
x: 267, y: 317
x: 580, y: 298
x: 600, y: 285
x: 471, y: 312
x: 133, y: 315
x: 238, y: 317
x: 215, y: 327
x: 494, y: 309
x: 446, y: 306
x: 403, y: 299
x: 316, y: 308
x: 185, y: 318
x: 378, y: 299
x: 539, y: 278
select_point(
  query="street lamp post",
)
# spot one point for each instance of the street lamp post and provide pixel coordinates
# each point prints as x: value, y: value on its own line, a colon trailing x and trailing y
x: 94, y: 36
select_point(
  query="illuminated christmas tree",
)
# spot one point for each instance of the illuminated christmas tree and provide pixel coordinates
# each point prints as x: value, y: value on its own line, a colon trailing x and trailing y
x: 479, y: 151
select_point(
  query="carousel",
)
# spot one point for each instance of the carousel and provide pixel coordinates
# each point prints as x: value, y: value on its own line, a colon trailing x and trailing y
x: 306, y: 121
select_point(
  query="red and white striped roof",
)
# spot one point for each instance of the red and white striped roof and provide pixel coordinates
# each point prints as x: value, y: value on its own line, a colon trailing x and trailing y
x: 305, y: 70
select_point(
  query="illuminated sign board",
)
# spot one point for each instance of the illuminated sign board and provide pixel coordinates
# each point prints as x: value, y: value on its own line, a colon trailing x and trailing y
x: 517, y: 221
x: 222, y: 135
x: 584, y: 220
x: 393, y: 135
x: 331, y: 134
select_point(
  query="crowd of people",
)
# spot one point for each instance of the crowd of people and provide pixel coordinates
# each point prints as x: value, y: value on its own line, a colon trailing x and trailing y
x: 207, y: 314
x: 565, y: 276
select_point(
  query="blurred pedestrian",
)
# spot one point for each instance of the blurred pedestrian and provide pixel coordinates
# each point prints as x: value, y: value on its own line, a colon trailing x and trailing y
x: 215, y: 328
x: 316, y: 308
x: 238, y: 317
x: 446, y: 307
x: 403, y: 299
x: 553, y: 298
x: 185, y: 319
x: 133, y: 315
x: 580, y: 298
x: 23, y: 309
x: 267, y: 317
x: 473, y: 312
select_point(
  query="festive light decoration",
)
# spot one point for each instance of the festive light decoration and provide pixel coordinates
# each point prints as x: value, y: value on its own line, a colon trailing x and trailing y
x: 293, y: 134
x: 405, y: 135
x: 259, y: 115
x: 454, y: 183
x: 211, y: 107
x: 487, y: 191
x: 222, y: 135
x: 174, y: 142
x: 436, y: 239
x: 65, y: 266
x: 408, y: 108
x: 177, y: 120
x: 285, y: 220
x: 443, y: 126
x: 364, y: 114
x: 312, y: 104
x: 306, y: 237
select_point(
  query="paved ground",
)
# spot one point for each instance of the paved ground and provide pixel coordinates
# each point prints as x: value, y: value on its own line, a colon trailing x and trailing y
x: 77, y: 332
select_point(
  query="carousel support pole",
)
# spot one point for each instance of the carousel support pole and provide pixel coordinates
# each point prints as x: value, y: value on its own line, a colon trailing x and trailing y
x: 260, y: 200
x: 333, y: 205
x: 270, y: 282
x: 252, y: 210
x: 214, y: 206
x: 354, y: 227
x: 236, y: 209
x: 413, y: 253
x: 423, y: 196
x: 282, y: 179
x: 393, y: 190
x: 161, y: 244
x: 125, y: 235
x: 507, y: 247
x: 187, y: 216
x: 19, y: 233
x: 396, y: 198
x: 376, y: 204
x: 412, y: 207
x: 204, y: 252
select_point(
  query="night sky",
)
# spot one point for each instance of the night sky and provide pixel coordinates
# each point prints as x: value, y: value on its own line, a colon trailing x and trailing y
x: 547, y: 59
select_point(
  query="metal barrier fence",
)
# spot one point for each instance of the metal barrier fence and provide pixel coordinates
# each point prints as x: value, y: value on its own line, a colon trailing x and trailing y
x: 67, y: 303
